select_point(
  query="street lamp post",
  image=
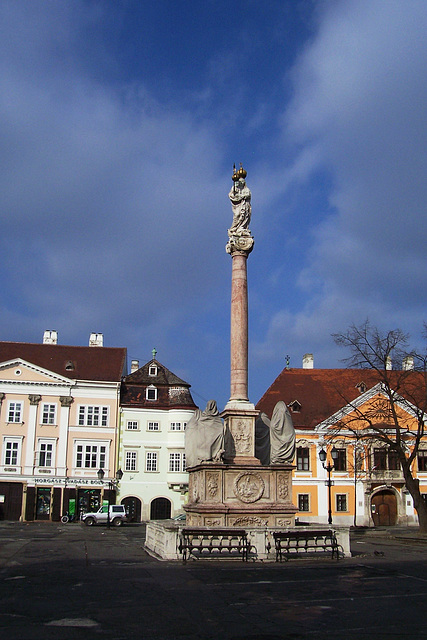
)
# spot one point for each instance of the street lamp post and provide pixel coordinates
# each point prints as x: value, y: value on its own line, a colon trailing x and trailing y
x: 112, y: 484
x: 329, y: 468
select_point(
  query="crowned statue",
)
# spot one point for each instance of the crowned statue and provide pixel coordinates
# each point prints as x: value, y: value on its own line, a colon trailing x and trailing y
x: 240, y: 198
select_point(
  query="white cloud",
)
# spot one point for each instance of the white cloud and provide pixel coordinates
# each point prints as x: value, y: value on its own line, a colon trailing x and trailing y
x: 358, y: 111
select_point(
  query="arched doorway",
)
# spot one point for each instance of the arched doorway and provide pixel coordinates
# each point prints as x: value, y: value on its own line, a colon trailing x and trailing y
x: 133, y: 508
x: 384, y: 508
x: 160, y: 509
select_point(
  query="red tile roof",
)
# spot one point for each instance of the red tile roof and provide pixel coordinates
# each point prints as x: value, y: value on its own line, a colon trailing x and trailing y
x: 322, y: 392
x: 103, y: 364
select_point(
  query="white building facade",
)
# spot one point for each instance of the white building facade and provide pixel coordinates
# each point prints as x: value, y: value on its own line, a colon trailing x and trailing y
x: 155, y: 407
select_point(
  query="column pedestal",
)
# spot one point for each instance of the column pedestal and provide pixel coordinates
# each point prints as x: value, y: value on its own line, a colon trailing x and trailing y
x: 239, y: 424
x: 240, y: 495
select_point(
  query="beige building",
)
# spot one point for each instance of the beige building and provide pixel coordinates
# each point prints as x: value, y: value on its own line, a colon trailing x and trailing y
x: 58, y: 423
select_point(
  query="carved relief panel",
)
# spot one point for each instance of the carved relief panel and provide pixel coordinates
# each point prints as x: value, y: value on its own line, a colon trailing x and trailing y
x: 284, y: 522
x: 248, y: 486
x: 249, y: 521
x: 283, y: 487
x: 213, y: 489
x: 196, y: 492
x: 213, y: 522
x: 243, y: 437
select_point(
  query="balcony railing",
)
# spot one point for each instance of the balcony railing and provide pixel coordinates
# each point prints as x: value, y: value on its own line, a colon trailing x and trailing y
x: 386, y: 474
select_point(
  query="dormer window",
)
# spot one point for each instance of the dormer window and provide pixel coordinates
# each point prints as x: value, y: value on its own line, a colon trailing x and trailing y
x: 151, y: 393
x: 295, y: 406
x: 152, y: 370
x: 362, y: 387
x: 69, y: 366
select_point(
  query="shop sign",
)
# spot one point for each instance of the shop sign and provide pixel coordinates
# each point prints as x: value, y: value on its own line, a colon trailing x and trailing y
x: 68, y: 481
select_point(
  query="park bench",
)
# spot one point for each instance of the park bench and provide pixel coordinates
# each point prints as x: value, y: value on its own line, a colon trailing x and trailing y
x: 294, y: 543
x: 203, y: 542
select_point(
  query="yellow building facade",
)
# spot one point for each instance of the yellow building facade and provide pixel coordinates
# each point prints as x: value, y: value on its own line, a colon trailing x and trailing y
x: 364, y: 483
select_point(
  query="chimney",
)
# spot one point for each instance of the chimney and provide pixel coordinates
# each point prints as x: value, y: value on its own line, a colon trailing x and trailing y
x: 408, y: 363
x: 134, y: 366
x: 388, y: 363
x: 308, y: 361
x: 50, y: 337
x: 96, y: 340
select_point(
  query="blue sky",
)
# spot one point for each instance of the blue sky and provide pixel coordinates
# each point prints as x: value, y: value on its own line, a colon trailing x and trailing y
x: 120, y: 122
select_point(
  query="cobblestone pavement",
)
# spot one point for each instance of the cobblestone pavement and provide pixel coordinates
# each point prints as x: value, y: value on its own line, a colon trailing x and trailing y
x: 72, y: 582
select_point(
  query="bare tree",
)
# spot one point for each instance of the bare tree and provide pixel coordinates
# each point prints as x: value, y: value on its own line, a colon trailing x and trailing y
x: 404, y: 391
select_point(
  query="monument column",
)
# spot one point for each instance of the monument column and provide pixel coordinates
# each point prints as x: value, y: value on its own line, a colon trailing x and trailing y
x: 239, y: 328
x: 239, y: 413
x: 227, y: 484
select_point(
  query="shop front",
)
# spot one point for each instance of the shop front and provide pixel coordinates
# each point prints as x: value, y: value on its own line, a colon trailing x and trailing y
x: 50, y: 502
x: 11, y: 500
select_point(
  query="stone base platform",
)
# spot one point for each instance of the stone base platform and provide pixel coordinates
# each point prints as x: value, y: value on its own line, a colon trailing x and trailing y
x: 240, y: 495
x: 162, y: 540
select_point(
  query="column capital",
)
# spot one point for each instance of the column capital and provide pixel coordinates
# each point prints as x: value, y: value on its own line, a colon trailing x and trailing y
x: 66, y: 401
x: 240, y: 244
x: 34, y: 399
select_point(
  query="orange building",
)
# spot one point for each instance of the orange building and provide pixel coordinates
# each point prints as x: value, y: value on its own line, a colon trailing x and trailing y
x: 366, y: 485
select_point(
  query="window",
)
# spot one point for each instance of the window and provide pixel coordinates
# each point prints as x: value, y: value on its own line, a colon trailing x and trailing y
x: 15, y: 412
x: 45, y: 454
x: 177, y: 426
x: 91, y: 456
x: 340, y: 462
x: 393, y: 460
x: 130, y: 460
x: 303, y: 459
x: 303, y: 502
x: 380, y: 459
x: 12, y: 451
x: 341, y: 501
x: 422, y: 460
x: 49, y: 414
x: 92, y: 416
x: 151, y: 461
x: 177, y: 462
x: 151, y: 393
x: 152, y: 371
x: 132, y: 425
x: 295, y: 406
x: 153, y: 426
x: 386, y: 459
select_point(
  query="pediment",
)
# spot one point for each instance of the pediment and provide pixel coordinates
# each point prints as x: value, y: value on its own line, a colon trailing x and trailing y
x: 374, y: 405
x: 20, y: 371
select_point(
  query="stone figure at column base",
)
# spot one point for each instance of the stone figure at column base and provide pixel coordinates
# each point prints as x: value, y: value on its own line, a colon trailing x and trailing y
x: 204, y: 436
x: 275, y: 438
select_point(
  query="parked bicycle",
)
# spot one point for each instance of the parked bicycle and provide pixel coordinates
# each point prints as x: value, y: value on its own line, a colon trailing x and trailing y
x: 68, y: 517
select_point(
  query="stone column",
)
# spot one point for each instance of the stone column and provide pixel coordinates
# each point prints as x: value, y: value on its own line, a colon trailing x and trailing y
x: 239, y: 413
x: 239, y: 328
